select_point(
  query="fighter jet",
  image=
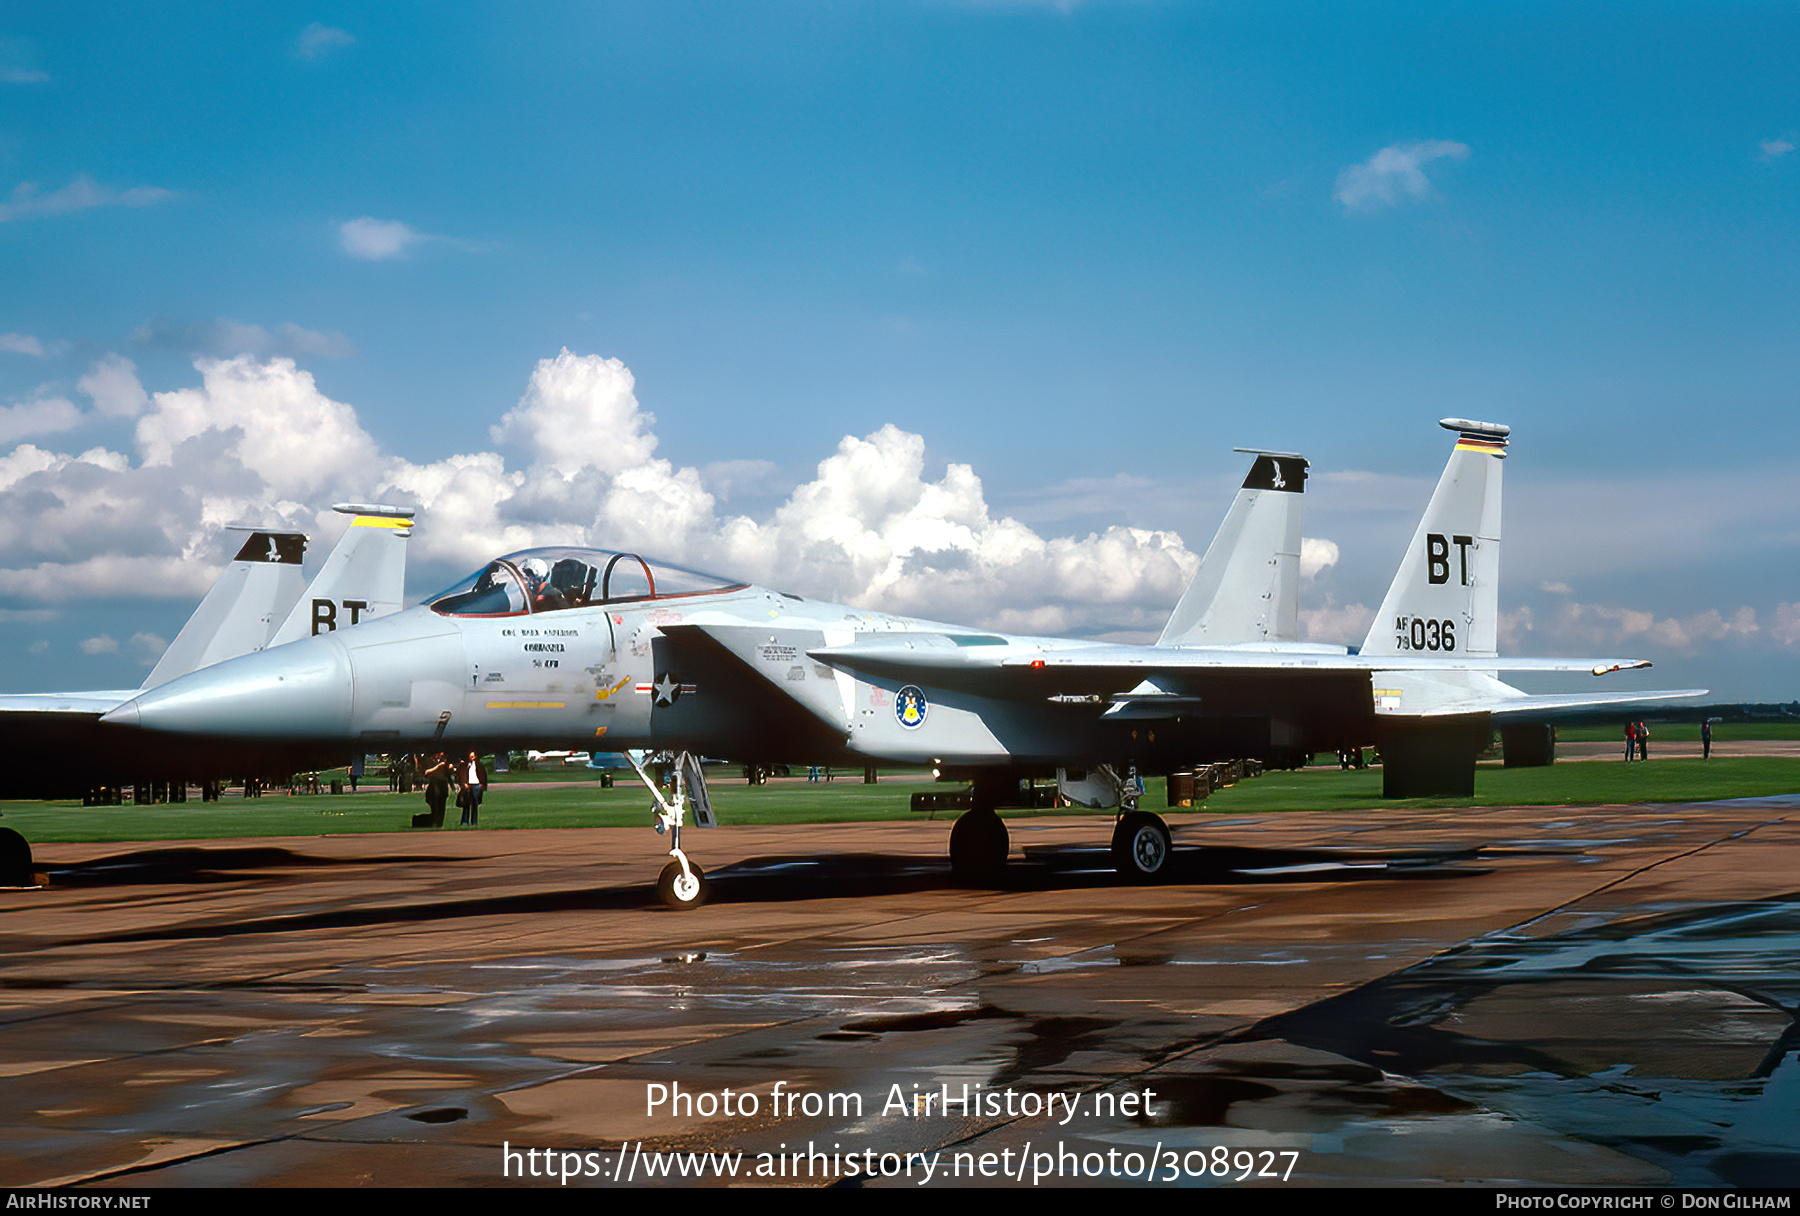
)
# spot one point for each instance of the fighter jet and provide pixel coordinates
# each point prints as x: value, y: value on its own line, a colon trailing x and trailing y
x: 585, y: 648
x: 50, y: 743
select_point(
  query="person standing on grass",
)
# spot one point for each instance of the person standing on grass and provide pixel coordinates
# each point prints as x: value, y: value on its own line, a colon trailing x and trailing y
x: 1630, y: 742
x: 474, y: 781
x: 1643, y: 736
x: 1706, y: 738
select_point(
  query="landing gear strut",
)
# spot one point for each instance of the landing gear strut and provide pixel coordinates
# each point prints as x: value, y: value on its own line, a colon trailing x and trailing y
x: 682, y: 884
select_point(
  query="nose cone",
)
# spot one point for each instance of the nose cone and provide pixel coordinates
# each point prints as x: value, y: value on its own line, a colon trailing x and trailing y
x: 293, y: 692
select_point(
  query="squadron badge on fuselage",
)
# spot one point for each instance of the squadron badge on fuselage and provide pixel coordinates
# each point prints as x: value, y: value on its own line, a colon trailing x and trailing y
x: 910, y: 707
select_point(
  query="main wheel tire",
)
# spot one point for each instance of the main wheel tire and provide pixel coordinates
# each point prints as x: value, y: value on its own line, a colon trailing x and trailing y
x: 679, y: 889
x: 1141, y: 847
x: 15, y: 859
x: 978, y: 848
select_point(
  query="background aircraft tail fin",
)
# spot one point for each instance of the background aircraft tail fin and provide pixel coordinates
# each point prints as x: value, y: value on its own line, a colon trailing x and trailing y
x: 1446, y: 595
x: 1248, y: 586
x: 365, y: 576
x: 256, y: 590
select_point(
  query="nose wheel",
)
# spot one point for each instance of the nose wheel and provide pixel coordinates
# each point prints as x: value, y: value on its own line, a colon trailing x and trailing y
x: 1141, y: 846
x: 681, y: 885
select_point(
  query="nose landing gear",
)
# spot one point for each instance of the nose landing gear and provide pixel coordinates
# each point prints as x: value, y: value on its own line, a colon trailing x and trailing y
x: 682, y: 884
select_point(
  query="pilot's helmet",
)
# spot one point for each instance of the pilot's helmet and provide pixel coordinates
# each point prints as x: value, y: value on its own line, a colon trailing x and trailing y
x: 536, y: 569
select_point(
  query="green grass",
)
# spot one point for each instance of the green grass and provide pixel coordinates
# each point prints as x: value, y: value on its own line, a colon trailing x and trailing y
x: 1670, y: 780
x: 1685, y: 732
x: 627, y: 805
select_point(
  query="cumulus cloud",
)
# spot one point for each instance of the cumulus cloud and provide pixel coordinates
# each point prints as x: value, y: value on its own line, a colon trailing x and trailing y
x: 104, y: 644
x: 1344, y: 624
x: 256, y: 439
x: 43, y: 416
x: 317, y: 39
x: 1775, y: 149
x: 148, y: 647
x: 29, y: 200
x: 1394, y: 174
x: 113, y: 385
x: 23, y: 344
x: 375, y: 240
x: 1316, y: 555
x: 1608, y: 627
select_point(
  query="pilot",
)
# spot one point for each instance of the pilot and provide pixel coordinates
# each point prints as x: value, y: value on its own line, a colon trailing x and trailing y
x: 543, y: 596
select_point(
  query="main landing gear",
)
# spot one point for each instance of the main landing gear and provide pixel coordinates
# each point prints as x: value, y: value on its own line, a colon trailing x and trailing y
x: 978, y: 847
x: 682, y: 884
x: 15, y: 859
x: 1140, y: 846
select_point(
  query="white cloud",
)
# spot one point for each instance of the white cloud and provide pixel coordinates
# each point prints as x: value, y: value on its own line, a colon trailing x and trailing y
x: 78, y: 195
x: 256, y: 439
x: 148, y: 647
x: 317, y: 39
x: 580, y: 412
x: 23, y: 344
x: 13, y: 75
x: 274, y: 420
x: 376, y: 240
x: 1344, y: 624
x: 41, y: 417
x: 104, y: 644
x: 38, y: 647
x: 1608, y: 628
x: 1316, y: 555
x: 1393, y: 174
x: 1775, y: 149
x: 113, y: 385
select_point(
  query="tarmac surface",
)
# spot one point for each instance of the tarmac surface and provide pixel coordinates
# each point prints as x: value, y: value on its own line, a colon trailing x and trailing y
x: 1578, y: 995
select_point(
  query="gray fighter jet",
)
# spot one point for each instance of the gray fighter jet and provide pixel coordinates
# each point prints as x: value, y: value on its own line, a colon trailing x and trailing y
x: 583, y: 648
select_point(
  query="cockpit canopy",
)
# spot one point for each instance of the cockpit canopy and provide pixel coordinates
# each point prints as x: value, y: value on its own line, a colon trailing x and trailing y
x: 532, y: 581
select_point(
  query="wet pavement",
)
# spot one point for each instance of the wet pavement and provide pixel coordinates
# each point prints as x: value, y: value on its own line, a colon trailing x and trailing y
x: 1601, y: 995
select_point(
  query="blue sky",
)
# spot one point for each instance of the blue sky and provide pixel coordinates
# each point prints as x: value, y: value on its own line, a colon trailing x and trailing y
x: 1082, y: 249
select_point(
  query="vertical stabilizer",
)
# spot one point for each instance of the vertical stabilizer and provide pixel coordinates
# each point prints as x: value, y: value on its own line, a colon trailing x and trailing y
x: 258, y: 588
x: 1247, y: 589
x: 365, y: 576
x: 1446, y: 596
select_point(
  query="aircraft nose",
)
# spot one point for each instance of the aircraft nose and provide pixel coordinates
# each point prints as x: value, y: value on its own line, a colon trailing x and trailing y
x: 298, y: 691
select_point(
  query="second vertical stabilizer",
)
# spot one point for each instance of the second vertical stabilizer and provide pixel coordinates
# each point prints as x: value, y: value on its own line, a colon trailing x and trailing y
x: 1445, y: 598
x: 1247, y: 589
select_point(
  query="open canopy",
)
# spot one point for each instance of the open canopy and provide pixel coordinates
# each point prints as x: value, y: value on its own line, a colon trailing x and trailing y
x: 556, y: 579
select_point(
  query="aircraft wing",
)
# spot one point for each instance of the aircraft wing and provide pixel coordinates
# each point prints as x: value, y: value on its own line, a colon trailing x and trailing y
x: 90, y: 703
x: 1551, y: 707
x: 1014, y: 667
